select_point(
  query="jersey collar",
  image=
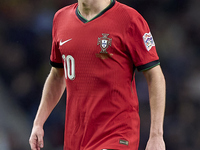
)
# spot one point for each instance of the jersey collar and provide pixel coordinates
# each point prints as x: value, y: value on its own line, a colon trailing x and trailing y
x: 78, y: 14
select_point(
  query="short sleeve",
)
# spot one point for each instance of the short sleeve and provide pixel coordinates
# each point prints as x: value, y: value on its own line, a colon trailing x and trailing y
x: 55, y: 58
x: 140, y: 43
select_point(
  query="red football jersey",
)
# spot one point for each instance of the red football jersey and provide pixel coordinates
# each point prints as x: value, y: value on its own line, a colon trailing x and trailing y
x: 99, y: 57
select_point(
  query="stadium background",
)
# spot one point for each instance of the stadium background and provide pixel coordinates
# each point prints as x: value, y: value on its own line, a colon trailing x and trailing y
x: 25, y: 43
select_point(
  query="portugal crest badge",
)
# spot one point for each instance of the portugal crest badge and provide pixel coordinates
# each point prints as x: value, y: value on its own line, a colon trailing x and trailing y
x: 104, y: 42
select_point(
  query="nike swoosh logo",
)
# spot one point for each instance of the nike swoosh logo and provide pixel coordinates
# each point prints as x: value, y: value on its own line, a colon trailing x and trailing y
x: 61, y: 43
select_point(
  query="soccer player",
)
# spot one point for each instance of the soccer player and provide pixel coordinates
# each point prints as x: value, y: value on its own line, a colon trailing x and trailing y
x: 97, y: 45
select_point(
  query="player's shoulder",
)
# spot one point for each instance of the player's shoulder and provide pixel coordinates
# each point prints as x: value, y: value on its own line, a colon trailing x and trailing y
x: 65, y: 10
x: 126, y: 10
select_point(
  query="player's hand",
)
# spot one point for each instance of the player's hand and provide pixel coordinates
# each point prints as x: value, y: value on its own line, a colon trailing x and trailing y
x: 36, y: 139
x: 155, y: 143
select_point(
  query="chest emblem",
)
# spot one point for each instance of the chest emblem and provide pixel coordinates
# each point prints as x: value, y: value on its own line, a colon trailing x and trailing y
x: 104, y: 42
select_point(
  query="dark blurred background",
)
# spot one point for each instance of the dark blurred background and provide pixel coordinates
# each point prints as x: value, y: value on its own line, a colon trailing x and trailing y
x: 25, y: 45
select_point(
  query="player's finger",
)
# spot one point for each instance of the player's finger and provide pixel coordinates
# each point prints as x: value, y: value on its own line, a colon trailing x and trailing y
x: 40, y: 141
x: 33, y: 146
x: 33, y: 143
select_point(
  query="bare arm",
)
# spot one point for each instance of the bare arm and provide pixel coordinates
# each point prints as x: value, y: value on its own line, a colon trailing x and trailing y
x: 157, y: 91
x: 52, y: 92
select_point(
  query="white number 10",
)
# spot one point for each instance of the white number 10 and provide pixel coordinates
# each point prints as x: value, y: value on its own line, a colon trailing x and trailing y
x: 69, y: 67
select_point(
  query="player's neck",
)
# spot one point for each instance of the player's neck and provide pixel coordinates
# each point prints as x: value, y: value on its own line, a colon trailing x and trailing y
x: 90, y: 8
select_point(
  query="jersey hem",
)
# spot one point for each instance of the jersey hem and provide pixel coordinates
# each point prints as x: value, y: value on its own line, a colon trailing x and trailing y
x: 148, y: 66
x: 56, y: 65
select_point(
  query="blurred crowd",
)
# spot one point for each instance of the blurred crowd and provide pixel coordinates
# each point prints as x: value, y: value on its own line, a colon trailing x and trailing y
x: 25, y: 45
